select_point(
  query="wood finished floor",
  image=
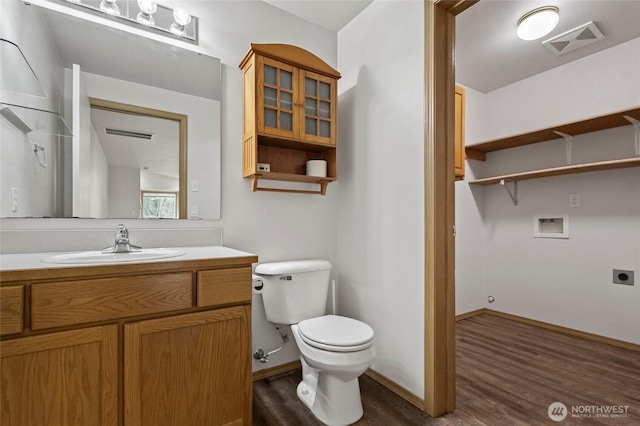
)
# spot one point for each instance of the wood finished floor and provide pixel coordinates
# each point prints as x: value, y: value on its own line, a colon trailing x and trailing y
x: 508, y: 373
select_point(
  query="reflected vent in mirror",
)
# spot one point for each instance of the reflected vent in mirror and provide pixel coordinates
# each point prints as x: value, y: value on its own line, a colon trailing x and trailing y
x: 129, y: 133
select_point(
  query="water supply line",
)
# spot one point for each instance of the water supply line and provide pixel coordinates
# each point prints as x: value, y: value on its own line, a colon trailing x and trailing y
x: 263, y: 356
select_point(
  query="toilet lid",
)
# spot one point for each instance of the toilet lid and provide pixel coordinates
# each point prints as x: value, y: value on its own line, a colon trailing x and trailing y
x: 332, y: 332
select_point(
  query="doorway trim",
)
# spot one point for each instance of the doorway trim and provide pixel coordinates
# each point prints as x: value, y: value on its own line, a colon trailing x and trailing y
x: 182, y: 135
x: 439, y: 199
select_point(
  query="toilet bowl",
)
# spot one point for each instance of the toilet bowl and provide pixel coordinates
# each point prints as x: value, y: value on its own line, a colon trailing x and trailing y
x: 334, y: 350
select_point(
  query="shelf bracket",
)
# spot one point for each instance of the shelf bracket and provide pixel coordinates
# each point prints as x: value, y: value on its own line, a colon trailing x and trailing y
x: 568, y: 144
x: 636, y: 128
x: 514, y: 194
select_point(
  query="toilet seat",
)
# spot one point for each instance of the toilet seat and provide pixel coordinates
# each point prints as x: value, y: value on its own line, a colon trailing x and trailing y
x: 335, y: 333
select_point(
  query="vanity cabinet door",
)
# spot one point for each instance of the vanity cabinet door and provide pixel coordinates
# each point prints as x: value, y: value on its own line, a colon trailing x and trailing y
x: 66, y: 378
x: 192, y: 369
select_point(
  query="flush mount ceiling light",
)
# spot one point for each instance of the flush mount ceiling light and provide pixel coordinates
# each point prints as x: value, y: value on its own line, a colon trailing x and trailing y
x: 538, y: 22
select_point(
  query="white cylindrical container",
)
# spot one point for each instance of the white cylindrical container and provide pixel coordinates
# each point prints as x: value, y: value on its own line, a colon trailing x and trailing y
x: 317, y: 168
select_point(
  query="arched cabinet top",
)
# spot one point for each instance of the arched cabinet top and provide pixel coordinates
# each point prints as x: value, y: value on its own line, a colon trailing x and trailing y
x: 292, y: 55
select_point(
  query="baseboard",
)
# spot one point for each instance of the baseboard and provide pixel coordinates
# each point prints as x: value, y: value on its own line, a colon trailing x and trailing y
x: 384, y: 381
x: 396, y: 388
x: 274, y: 371
x: 471, y: 314
x: 565, y: 330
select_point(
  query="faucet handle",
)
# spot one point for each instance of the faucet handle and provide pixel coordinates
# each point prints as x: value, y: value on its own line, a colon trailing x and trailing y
x: 123, y: 233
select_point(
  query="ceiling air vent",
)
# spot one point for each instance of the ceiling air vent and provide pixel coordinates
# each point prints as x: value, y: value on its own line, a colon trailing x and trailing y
x: 574, y: 39
x: 128, y: 133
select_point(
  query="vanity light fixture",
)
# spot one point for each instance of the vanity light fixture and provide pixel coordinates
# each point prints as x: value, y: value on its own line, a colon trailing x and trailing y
x: 538, y: 22
x: 150, y: 16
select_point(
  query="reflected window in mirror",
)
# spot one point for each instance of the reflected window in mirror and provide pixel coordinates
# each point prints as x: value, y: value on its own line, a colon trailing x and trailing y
x: 159, y: 205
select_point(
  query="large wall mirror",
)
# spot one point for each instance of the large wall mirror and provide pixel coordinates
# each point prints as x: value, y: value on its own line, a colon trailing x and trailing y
x: 161, y: 99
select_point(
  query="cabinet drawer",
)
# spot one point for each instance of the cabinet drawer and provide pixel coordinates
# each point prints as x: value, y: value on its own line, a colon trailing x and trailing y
x: 11, y: 309
x: 224, y: 286
x: 77, y: 302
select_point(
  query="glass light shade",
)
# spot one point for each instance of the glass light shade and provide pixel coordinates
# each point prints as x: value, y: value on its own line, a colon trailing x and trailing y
x: 181, y: 15
x: 147, y: 9
x: 110, y: 7
x: 538, y: 23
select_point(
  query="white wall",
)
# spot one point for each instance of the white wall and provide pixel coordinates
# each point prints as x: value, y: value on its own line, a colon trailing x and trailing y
x: 150, y: 181
x: 470, y: 246
x: 381, y: 190
x: 124, y: 192
x: 564, y: 282
x: 99, y: 177
x: 276, y: 226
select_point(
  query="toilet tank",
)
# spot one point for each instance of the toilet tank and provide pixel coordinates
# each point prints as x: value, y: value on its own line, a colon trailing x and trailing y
x: 294, y: 291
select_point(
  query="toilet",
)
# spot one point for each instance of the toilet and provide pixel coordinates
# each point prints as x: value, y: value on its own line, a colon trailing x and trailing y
x: 334, y: 350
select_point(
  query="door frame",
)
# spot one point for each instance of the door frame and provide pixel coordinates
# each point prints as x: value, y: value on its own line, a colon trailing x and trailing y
x: 439, y: 199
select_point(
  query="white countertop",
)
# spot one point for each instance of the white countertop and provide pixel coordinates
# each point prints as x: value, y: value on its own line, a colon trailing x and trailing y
x: 22, y: 261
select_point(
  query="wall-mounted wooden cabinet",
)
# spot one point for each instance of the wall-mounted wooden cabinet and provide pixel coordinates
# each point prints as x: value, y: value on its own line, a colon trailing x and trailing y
x: 130, y: 345
x: 459, y: 133
x: 290, y: 114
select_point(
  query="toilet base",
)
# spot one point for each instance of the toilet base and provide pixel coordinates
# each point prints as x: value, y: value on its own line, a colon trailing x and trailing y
x: 333, y: 401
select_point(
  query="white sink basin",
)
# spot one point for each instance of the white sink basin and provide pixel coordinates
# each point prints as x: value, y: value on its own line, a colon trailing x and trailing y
x: 93, y: 257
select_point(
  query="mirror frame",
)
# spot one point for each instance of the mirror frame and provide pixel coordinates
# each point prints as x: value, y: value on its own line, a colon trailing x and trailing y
x: 182, y: 123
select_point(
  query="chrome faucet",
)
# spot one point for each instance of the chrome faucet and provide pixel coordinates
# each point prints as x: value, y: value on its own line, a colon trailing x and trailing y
x: 122, y: 244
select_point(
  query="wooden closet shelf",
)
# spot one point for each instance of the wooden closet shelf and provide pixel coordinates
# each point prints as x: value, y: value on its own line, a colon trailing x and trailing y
x: 558, y: 171
x: 609, y: 121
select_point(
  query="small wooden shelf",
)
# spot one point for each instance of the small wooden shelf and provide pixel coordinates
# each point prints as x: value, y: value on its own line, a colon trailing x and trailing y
x: 291, y: 177
x: 557, y: 171
x: 594, y: 124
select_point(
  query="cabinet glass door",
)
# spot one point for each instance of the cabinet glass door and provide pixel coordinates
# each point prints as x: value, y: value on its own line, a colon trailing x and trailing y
x: 319, y: 107
x: 277, y: 83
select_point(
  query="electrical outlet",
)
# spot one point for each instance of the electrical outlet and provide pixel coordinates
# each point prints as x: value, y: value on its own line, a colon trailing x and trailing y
x: 621, y: 276
x: 574, y: 200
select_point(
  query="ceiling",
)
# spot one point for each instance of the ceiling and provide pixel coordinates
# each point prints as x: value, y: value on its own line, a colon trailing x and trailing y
x: 488, y: 53
x: 158, y: 155
x: 330, y: 14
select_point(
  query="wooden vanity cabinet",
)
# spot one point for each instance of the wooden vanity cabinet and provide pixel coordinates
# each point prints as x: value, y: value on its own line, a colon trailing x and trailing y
x: 290, y: 114
x: 173, y: 348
